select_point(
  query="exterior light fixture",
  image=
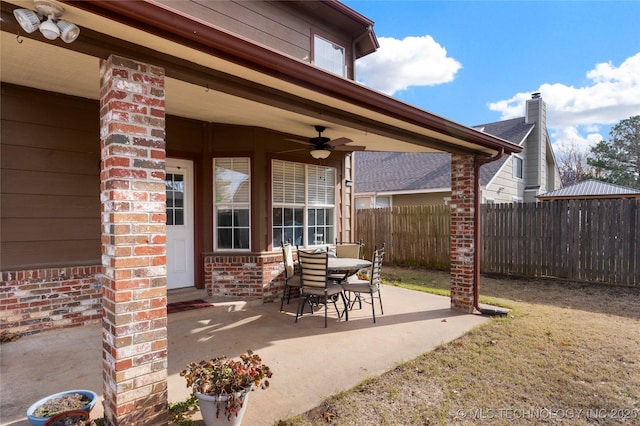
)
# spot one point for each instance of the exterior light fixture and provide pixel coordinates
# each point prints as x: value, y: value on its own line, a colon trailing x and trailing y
x: 320, y: 154
x: 47, y: 20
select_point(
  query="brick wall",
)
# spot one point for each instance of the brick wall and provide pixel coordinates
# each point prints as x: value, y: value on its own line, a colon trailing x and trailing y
x: 35, y: 300
x: 133, y: 217
x: 259, y: 276
x: 38, y: 300
x: 462, y: 232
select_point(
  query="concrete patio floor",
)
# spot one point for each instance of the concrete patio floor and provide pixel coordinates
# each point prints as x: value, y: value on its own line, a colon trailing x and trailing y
x: 309, y: 362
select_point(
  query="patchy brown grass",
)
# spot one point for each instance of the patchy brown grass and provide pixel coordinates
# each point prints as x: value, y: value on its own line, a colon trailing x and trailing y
x: 567, y: 353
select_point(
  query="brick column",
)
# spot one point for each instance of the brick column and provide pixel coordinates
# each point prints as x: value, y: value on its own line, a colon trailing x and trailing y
x: 462, y: 232
x: 134, y: 335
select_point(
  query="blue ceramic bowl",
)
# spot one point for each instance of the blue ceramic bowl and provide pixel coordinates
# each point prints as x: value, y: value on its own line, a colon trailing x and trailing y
x: 40, y: 421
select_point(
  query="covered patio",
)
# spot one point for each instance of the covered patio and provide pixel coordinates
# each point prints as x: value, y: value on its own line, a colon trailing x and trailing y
x: 110, y: 116
x: 309, y: 362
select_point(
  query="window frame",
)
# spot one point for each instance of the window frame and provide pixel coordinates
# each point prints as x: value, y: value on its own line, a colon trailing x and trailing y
x: 306, y: 206
x: 233, y: 205
x: 172, y: 208
x: 517, y: 160
x: 329, y: 40
x: 360, y: 202
x: 388, y: 198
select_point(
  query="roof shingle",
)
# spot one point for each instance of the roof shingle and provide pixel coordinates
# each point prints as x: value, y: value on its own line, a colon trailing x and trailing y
x: 393, y: 171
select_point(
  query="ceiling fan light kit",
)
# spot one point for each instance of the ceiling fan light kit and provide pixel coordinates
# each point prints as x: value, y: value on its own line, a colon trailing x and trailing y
x: 320, y: 154
x: 47, y: 20
x: 321, y: 146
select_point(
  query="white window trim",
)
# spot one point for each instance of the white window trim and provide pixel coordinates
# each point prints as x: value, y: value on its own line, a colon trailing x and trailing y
x: 369, y: 202
x: 375, y: 202
x: 230, y: 205
x: 513, y: 166
x: 328, y: 40
x: 306, y: 206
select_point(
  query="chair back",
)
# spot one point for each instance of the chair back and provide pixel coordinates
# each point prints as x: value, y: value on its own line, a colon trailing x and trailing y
x: 313, y: 268
x: 376, y: 267
x: 287, y: 257
x: 351, y: 250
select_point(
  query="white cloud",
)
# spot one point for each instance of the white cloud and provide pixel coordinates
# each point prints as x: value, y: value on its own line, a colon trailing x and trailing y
x: 399, y: 64
x: 575, y: 138
x: 577, y: 115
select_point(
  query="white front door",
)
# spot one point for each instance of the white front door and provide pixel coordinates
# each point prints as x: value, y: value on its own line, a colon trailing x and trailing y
x: 179, y: 188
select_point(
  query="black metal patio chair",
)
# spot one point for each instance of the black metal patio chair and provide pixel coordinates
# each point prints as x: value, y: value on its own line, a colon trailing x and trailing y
x: 316, y: 287
x: 366, y: 290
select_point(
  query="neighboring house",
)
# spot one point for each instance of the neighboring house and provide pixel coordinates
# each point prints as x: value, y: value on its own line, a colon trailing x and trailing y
x: 590, y: 189
x: 385, y: 179
x: 168, y: 147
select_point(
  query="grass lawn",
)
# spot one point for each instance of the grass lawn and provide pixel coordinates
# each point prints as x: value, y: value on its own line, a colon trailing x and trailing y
x: 567, y: 353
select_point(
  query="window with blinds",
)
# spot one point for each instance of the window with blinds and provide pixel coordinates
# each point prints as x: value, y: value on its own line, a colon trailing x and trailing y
x: 329, y: 55
x: 303, y: 203
x: 232, y: 195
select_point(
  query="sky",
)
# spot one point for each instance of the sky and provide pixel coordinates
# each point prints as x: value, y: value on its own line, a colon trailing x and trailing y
x: 476, y: 62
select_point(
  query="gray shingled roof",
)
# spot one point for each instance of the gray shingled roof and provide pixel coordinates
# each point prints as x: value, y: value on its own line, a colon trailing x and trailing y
x: 590, y: 188
x: 410, y: 171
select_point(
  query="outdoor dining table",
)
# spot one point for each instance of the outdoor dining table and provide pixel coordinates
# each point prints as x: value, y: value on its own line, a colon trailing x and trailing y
x: 346, y: 265
x: 341, y: 268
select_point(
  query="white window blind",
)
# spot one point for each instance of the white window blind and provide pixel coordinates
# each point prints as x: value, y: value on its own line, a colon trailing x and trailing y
x: 328, y: 55
x: 288, y: 182
x: 303, y: 203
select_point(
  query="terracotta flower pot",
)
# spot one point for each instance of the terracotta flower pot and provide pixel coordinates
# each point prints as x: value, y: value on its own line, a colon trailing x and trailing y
x: 73, y: 417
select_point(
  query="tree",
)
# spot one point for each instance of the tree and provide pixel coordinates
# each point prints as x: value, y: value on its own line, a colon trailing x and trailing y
x: 618, y: 160
x: 572, y: 164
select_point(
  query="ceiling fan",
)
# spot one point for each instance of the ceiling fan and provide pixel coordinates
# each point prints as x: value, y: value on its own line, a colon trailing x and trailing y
x: 321, y: 146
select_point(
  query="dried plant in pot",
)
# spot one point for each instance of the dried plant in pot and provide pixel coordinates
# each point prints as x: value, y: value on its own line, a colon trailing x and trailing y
x: 80, y: 399
x: 70, y: 418
x: 222, y: 385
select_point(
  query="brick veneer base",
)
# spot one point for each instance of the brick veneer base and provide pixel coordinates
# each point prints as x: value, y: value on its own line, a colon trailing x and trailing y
x: 245, y: 275
x: 36, y: 300
x: 46, y: 299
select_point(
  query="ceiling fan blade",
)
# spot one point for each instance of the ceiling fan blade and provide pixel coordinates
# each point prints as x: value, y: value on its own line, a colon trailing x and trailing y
x: 293, y: 150
x: 304, y: 141
x: 338, y: 141
x: 349, y: 148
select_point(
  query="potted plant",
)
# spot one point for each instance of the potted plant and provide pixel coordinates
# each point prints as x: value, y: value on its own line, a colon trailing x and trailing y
x: 222, y: 385
x: 42, y: 410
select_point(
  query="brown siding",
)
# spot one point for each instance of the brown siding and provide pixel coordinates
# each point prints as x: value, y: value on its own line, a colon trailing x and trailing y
x: 282, y: 26
x: 50, y: 205
x: 50, y: 193
x: 262, y: 22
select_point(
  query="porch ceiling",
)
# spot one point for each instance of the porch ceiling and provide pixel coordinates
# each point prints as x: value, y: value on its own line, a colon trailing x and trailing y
x: 208, y: 87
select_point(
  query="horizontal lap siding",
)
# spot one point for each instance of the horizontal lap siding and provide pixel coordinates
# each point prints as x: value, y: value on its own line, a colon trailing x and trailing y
x: 263, y: 22
x: 286, y: 27
x: 50, y: 206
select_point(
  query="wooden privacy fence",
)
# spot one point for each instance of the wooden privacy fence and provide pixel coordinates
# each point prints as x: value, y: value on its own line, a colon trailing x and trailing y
x: 582, y: 240
x: 413, y: 235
